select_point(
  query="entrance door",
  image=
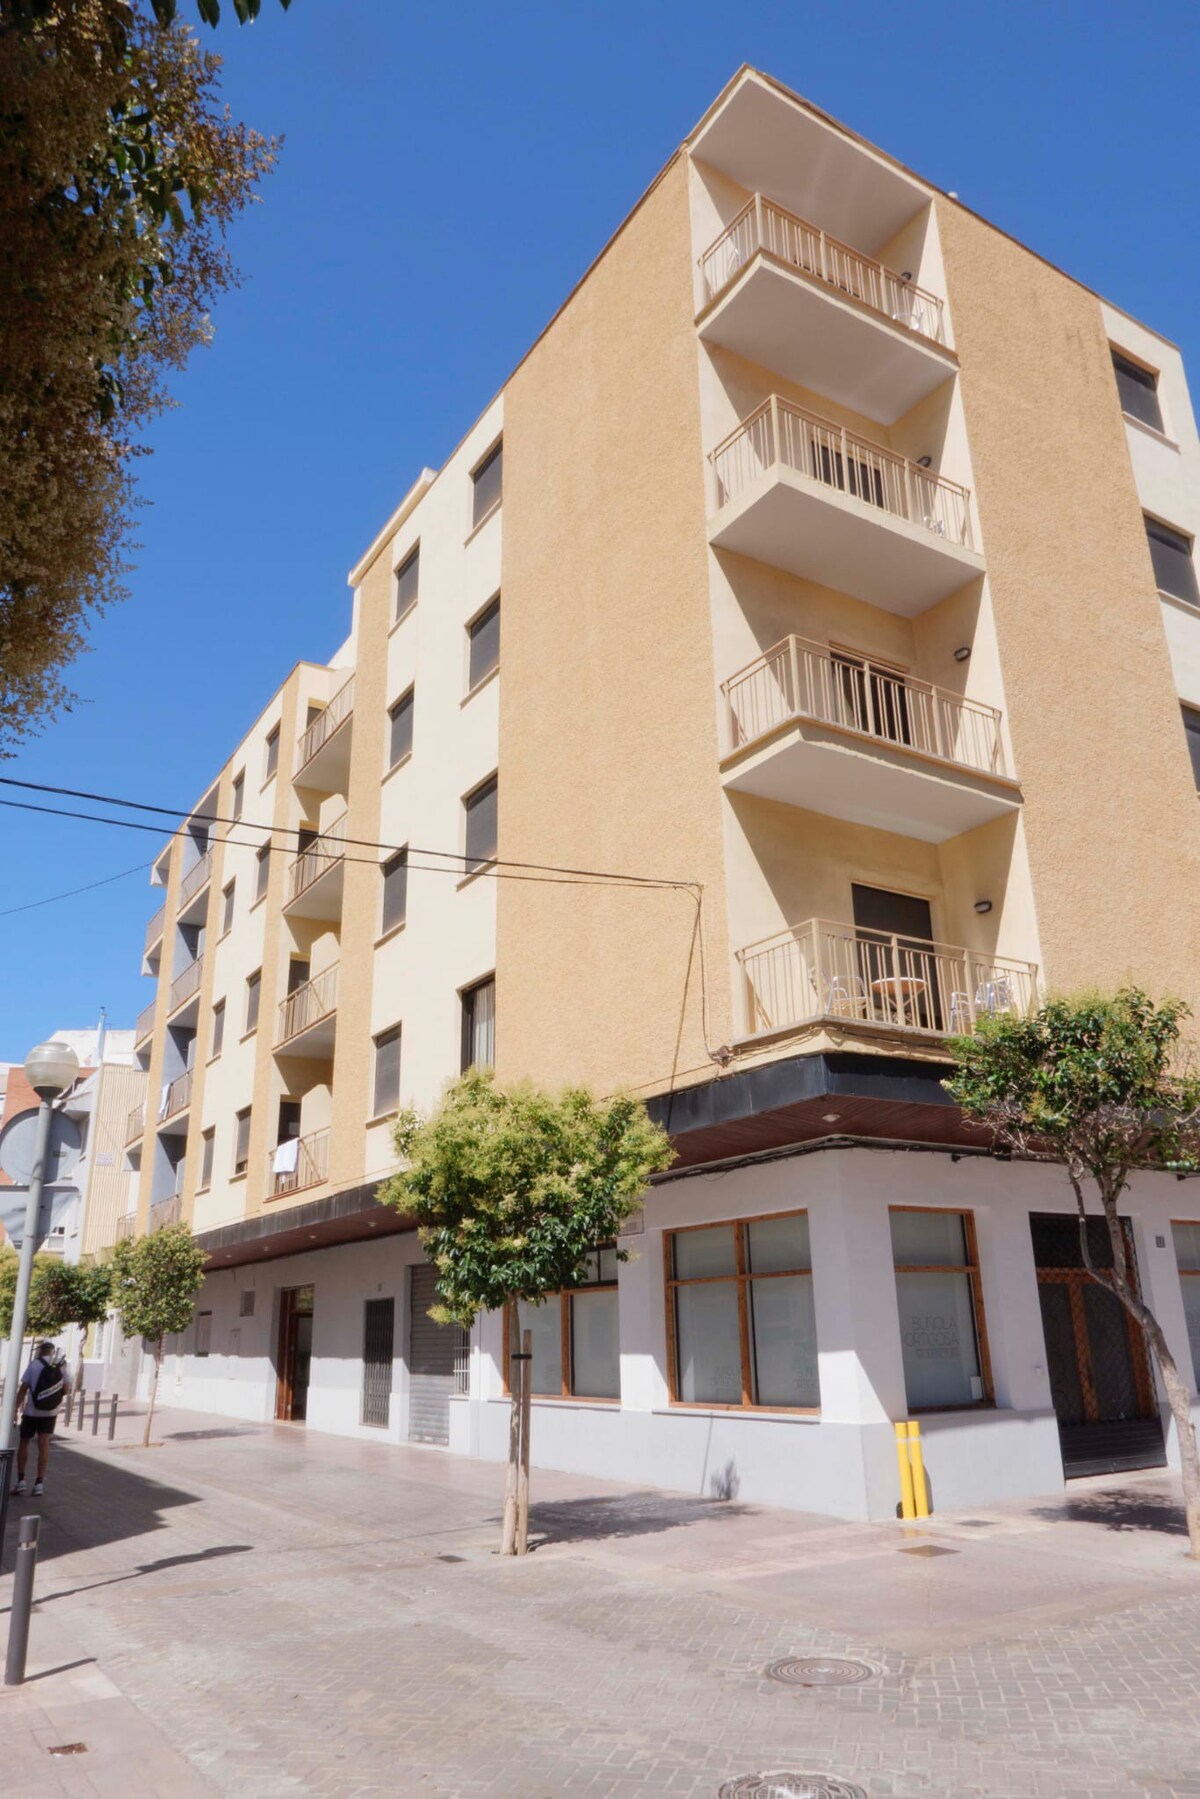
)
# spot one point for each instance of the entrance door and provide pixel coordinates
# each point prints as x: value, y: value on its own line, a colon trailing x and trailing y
x: 1096, y: 1357
x: 379, y: 1328
x: 433, y: 1352
x: 295, y: 1354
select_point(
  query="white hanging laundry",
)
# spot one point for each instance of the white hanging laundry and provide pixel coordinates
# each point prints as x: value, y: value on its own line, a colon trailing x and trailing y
x: 286, y: 1155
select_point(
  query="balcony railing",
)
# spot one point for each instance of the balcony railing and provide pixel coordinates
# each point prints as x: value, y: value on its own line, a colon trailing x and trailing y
x: 311, y: 1163
x: 145, y: 1022
x: 325, y: 724
x: 322, y: 853
x: 799, y: 679
x: 154, y: 928
x: 135, y: 1124
x: 761, y: 225
x: 166, y: 1211
x: 821, y: 970
x: 196, y: 877
x: 185, y: 984
x: 780, y: 432
x: 127, y: 1225
x: 315, y: 1000
x: 176, y: 1096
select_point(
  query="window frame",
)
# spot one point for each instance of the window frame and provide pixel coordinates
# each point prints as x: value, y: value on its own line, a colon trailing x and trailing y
x: 271, y: 753
x: 401, y: 569
x: 742, y: 1276
x: 253, y: 996
x: 237, y: 795
x: 202, y: 1319
x: 494, y: 452
x: 208, y: 1150
x: 1133, y: 368
x: 397, y: 860
x: 216, y: 1033
x: 1190, y: 732
x: 975, y: 1278
x: 227, y: 905
x: 397, y: 1031
x: 472, y: 626
x: 262, y: 872
x: 1151, y: 522
x: 410, y: 696
x: 474, y: 794
x: 239, y: 1169
x: 566, y: 1339
x: 466, y: 998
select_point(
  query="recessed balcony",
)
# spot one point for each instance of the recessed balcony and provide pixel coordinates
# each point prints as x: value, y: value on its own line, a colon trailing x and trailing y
x: 145, y: 1022
x: 316, y: 878
x: 173, y: 1104
x: 300, y: 1162
x: 193, y: 891
x: 323, y: 752
x: 822, y: 972
x: 165, y: 1211
x: 154, y: 929
x: 830, y: 732
x: 799, y: 492
x: 135, y: 1123
x: 785, y: 294
x: 307, y: 1021
x: 184, y: 991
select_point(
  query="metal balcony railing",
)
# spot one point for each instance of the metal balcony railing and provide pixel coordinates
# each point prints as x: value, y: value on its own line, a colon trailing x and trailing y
x: 779, y: 432
x: 154, y: 928
x: 315, y: 1000
x: 185, y: 984
x: 321, y: 855
x: 196, y: 877
x: 761, y: 225
x: 823, y: 970
x: 135, y: 1124
x: 166, y: 1211
x: 800, y: 679
x: 311, y: 1164
x: 325, y: 724
x: 127, y: 1225
x: 176, y: 1096
x: 145, y: 1022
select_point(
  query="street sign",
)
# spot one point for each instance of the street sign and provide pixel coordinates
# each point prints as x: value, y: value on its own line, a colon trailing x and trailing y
x: 56, y: 1209
x: 18, y: 1141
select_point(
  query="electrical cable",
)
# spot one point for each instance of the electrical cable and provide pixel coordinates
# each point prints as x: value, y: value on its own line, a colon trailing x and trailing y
x: 51, y: 898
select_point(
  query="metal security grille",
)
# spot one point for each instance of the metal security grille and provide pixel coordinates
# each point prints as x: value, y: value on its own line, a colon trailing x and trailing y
x: 432, y: 1362
x: 379, y: 1331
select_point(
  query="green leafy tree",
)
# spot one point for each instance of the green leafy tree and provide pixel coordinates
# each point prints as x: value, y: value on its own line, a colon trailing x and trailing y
x: 41, y: 1319
x: 155, y: 1280
x: 1106, y: 1087
x: 120, y: 175
x: 512, y: 1188
x: 63, y: 1293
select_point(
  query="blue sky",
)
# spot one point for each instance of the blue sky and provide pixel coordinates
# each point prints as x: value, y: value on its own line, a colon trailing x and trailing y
x: 448, y: 172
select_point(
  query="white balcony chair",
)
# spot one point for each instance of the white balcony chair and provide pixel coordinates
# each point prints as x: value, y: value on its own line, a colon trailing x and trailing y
x: 845, y: 996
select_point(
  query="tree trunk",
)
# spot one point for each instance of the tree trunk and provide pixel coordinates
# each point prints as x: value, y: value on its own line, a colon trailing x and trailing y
x: 508, y: 1536
x: 526, y: 1413
x: 158, y: 1349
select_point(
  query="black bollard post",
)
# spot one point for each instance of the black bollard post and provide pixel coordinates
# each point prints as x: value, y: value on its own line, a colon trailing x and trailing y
x: 22, y: 1601
x: 7, y: 1458
x: 96, y: 1415
x: 112, y: 1419
x: 67, y: 1411
x: 82, y: 1409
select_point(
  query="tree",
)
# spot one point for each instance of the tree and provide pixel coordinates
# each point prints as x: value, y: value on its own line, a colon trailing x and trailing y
x: 512, y: 1189
x: 1104, y: 1086
x: 155, y: 1281
x: 119, y: 178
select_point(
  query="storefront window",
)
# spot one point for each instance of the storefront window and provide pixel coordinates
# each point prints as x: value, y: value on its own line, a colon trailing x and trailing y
x: 1187, y: 1254
x: 742, y: 1314
x: 575, y: 1346
x: 941, y: 1308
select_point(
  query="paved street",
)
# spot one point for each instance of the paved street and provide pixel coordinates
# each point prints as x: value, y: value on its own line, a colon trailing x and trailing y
x: 257, y: 1611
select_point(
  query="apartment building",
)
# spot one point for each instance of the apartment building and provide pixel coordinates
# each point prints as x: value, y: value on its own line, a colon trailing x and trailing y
x: 820, y: 589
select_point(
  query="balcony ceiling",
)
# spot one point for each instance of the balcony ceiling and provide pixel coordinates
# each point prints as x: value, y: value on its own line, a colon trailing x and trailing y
x: 803, y: 328
x: 879, y: 784
x: 328, y: 770
x: 771, y: 144
x: 314, y: 1043
x: 323, y: 897
x: 791, y: 522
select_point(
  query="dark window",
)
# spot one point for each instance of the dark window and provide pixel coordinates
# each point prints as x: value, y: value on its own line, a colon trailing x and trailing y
x: 246, y: 1305
x: 253, y: 990
x: 1171, y: 554
x: 239, y: 793
x: 203, y: 1333
x: 241, y: 1144
x: 387, y: 1072
x: 289, y: 1120
x: 1138, y: 389
x: 218, y: 1027
x: 408, y: 577
x: 487, y: 480
x: 395, y: 890
x: 227, y: 908
x: 401, y: 740
x: 895, y: 976
x: 262, y: 871
x: 484, y: 636
x: 1191, y: 725
x: 480, y: 808
x: 207, y: 1141
x: 299, y: 971
x: 379, y: 1331
x: 479, y: 1024
x: 272, y: 753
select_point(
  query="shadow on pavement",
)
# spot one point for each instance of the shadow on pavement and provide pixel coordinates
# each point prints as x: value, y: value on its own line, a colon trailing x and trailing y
x: 622, y: 1515
x: 90, y: 1502
x: 167, y: 1561
x: 1119, y: 1511
x: 207, y: 1436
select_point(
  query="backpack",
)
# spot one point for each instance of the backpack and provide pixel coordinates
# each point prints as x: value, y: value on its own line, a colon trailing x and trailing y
x: 48, y: 1393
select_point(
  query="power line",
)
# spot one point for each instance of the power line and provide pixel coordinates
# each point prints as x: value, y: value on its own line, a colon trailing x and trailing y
x: 51, y: 898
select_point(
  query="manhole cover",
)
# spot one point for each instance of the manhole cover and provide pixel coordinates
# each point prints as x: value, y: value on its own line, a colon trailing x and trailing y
x: 930, y: 1549
x: 819, y: 1671
x: 791, y: 1786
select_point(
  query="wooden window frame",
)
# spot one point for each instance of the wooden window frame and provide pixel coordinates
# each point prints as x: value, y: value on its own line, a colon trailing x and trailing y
x: 742, y: 1275
x: 566, y: 1353
x: 971, y: 1270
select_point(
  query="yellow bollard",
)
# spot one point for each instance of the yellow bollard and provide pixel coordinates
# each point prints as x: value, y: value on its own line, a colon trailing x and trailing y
x: 907, y: 1508
x: 917, y: 1474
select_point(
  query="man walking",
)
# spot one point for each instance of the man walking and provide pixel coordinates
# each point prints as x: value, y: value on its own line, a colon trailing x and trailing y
x: 42, y: 1387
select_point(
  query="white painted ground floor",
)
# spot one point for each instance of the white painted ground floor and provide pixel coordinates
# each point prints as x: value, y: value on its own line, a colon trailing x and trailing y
x: 770, y: 1324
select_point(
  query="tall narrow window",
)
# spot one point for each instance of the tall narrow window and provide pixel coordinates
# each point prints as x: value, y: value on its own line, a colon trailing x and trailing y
x: 203, y: 1333
x: 742, y: 1315
x: 483, y: 634
x: 480, y: 809
x: 400, y: 740
x: 253, y: 990
x: 487, y: 479
x: 1191, y: 727
x: 408, y: 577
x: 479, y: 1025
x: 227, y: 908
x: 218, y: 1028
x: 238, y: 795
x: 1187, y: 1254
x: 272, y: 761
x: 1138, y: 389
x: 575, y: 1342
x: 387, y: 1072
x: 262, y: 871
x: 241, y: 1143
x: 1174, y: 569
x: 207, y: 1142
x: 395, y: 890
x: 941, y: 1308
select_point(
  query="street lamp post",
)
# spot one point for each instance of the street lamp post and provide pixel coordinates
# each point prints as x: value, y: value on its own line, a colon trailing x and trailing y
x: 49, y: 1069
